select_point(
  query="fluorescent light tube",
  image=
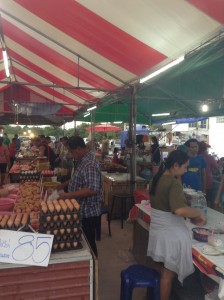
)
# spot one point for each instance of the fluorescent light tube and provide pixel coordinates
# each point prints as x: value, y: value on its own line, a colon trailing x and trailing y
x: 170, y: 65
x: 86, y: 115
x: 6, y: 64
x: 118, y: 122
x: 93, y: 107
x: 169, y: 123
x: 158, y: 115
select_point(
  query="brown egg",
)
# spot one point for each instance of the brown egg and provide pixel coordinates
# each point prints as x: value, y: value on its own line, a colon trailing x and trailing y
x: 75, y: 244
x: 55, y: 246
x: 62, y: 231
x: 75, y: 216
x: 68, y: 216
x: 48, y: 218
x: 55, y: 218
x: 62, y: 217
x: 68, y: 245
x: 62, y: 245
x: 55, y: 231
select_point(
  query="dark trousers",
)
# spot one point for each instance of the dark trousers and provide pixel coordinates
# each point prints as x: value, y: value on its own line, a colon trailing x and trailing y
x: 191, y: 289
x: 89, y: 229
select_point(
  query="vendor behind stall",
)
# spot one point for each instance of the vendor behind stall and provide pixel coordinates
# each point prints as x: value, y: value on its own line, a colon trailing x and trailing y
x: 4, y: 160
x: 45, y: 151
x: 85, y: 186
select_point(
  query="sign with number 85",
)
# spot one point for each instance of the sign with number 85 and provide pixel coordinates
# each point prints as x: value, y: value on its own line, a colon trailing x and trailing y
x: 25, y: 248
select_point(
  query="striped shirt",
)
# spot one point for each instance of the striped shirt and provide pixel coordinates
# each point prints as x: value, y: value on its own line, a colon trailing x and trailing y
x: 87, y: 174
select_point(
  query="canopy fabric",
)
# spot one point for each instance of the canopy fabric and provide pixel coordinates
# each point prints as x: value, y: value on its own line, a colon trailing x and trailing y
x: 77, y: 53
x: 180, y: 91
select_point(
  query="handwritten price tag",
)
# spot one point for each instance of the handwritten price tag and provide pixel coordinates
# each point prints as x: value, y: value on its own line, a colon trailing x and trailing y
x: 25, y: 248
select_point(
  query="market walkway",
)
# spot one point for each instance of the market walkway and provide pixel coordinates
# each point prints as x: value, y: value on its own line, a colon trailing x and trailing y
x: 115, y: 255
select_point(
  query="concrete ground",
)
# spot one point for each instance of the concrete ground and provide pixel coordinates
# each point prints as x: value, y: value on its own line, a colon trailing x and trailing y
x: 114, y: 255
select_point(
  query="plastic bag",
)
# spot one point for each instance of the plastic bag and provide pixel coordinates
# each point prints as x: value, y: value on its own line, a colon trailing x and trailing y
x: 54, y: 195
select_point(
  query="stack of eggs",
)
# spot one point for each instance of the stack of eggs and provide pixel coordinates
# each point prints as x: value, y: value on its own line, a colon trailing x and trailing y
x: 31, y: 175
x: 48, y: 173
x: 13, y: 221
x: 61, y: 218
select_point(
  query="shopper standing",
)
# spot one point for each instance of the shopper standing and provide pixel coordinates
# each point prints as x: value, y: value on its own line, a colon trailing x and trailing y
x: 6, y: 140
x: 212, y: 166
x: 169, y: 242
x: 195, y: 176
x: 12, y: 151
x: 4, y: 160
x: 85, y: 186
x: 105, y: 147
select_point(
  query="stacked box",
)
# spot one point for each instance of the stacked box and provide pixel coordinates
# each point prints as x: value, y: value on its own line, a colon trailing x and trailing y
x: 61, y: 219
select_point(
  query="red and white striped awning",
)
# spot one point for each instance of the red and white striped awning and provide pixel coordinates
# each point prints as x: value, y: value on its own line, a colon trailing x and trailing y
x: 74, y: 52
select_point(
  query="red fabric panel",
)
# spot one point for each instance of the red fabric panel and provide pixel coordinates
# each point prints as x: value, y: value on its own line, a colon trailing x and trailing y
x: 52, y: 57
x: 17, y: 92
x: 213, y: 8
x: 48, y: 90
x: 107, y: 40
x: 205, y: 266
x: 141, y: 195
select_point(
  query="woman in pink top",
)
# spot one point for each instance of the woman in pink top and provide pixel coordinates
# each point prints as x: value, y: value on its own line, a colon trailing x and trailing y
x: 211, y: 165
x: 4, y: 160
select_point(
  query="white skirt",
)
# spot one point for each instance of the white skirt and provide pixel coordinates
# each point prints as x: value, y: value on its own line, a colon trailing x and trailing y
x: 170, y: 243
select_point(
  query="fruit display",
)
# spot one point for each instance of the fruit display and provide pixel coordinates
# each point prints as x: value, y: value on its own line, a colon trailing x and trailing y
x: 61, y: 218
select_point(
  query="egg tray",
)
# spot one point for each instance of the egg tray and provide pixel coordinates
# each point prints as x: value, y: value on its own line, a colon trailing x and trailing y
x: 59, y: 216
x: 14, y: 227
x: 67, y: 237
x: 61, y: 212
x: 59, y: 249
x: 29, y: 178
x: 62, y: 230
x: 59, y: 225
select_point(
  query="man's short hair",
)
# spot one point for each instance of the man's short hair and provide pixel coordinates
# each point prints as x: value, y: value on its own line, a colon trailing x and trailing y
x: 187, y: 143
x: 76, y: 141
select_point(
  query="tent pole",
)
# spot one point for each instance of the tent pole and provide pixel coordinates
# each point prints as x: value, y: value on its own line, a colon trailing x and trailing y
x: 132, y: 129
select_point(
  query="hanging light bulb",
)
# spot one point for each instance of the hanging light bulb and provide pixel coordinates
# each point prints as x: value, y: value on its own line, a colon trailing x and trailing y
x: 204, y: 107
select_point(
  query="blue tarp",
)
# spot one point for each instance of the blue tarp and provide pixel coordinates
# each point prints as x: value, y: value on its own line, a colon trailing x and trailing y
x: 190, y: 120
x: 140, y: 129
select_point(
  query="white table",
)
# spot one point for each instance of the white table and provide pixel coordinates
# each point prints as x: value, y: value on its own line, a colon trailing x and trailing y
x: 213, y: 220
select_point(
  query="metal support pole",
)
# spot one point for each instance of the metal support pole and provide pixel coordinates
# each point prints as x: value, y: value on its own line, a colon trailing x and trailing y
x: 92, y: 115
x: 132, y: 131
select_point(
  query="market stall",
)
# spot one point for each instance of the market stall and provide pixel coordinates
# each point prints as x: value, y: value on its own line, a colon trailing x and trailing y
x: 209, y: 261
x: 119, y: 183
x: 68, y: 275
x: 43, y: 241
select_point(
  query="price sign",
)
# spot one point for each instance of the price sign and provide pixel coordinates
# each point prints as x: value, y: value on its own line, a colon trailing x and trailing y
x: 25, y: 248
